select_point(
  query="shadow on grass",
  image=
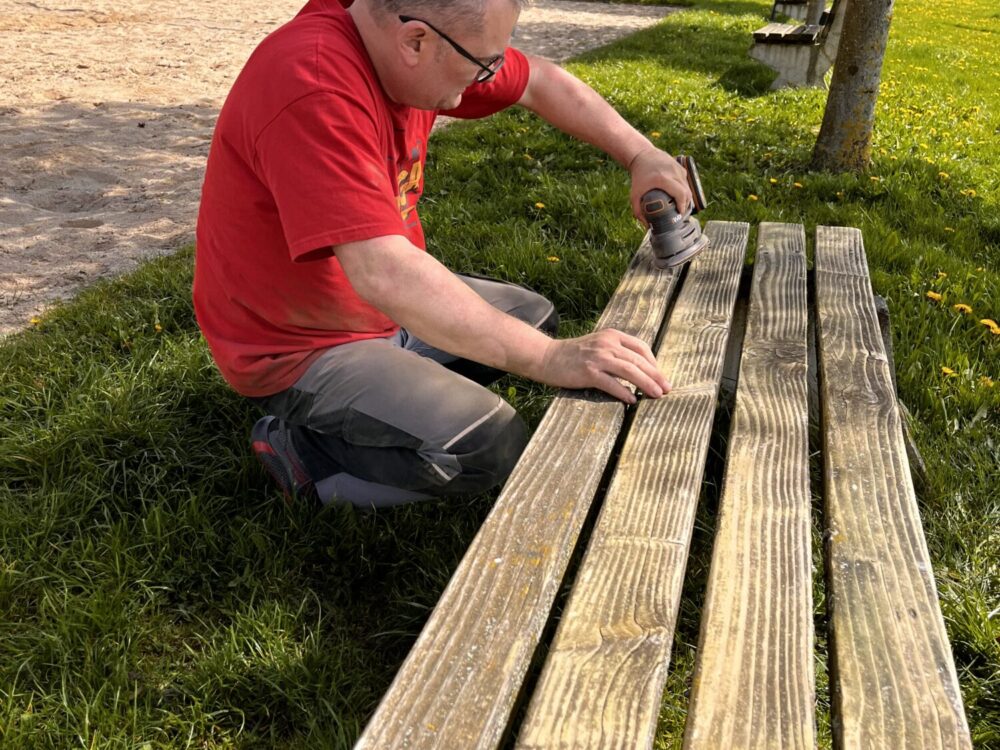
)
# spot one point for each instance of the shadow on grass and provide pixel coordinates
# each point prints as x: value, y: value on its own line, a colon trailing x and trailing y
x: 154, y: 558
x: 683, y: 42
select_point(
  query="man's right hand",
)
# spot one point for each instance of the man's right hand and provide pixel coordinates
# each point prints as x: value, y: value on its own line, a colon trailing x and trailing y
x: 598, y: 360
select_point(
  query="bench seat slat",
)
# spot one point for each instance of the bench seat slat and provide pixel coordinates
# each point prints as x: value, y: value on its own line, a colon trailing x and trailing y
x: 754, y: 681
x: 458, y: 685
x: 603, y: 680
x: 779, y: 33
x: 894, y: 681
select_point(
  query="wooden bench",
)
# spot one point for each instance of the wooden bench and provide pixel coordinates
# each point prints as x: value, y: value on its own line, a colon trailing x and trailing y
x: 801, y: 53
x: 469, y: 682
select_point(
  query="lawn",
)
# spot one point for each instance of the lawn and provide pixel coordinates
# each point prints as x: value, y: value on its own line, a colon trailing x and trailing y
x: 155, y: 591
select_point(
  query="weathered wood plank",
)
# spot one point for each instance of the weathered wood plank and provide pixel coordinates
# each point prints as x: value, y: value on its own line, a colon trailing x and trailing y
x: 458, y: 685
x: 603, y: 680
x: 894, y: 681
x: 754, y: 684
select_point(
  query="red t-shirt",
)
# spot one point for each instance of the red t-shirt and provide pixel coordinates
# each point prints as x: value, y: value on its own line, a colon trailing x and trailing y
x: 308, y: 153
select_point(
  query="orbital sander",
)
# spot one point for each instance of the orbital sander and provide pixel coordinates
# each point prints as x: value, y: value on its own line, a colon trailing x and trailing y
x: 675, y: 237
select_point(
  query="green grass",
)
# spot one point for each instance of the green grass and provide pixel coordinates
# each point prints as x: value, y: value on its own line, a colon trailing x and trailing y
x: 155, y: 592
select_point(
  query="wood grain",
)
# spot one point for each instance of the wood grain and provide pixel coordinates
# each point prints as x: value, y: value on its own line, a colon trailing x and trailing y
x: 754, y: 684
x: 459, y: 683
x: 894, y: 681
x: 603, y: 680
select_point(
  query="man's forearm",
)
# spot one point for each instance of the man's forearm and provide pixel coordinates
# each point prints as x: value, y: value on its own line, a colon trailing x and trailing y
x: 420, y: 294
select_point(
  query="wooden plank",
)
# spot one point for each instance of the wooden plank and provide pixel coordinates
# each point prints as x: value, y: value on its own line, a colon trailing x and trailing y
x: 773, y: 30
x: 754, y: 684
x: 458, y: 685
x: 603, y: 680
x: 893, y: 676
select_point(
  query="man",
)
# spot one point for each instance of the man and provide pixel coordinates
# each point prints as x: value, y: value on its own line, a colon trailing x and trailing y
x: 312, y: 285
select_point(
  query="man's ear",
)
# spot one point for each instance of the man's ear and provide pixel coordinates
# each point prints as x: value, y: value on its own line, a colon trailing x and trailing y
x: 411, y: 40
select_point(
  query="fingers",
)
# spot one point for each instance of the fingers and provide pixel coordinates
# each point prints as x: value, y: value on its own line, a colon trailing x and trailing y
x: 646, y: 362
x: 603, y: 360
x: 658, y: 169
x: 630, y: 359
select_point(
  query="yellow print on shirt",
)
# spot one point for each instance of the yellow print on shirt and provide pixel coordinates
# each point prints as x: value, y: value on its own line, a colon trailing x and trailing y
x: 409, y: 181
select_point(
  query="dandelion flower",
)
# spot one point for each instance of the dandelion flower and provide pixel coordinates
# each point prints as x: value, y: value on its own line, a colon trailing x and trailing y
x: 157, y: 327
x: 774, y: 181
x: 962, y: 308
x: 539, y: 205
x: 875, y: 178
x: 934, y: 296
x: 969, y: 192
x: 943, y: 175
x: 752, y: 197
x: 35, y: 321
x: 988, y: 323
x: 948, y: 372
x: 942, y: 275
x: 797, y: 184
x: 986, y: 381
x: 553, y: 259
x: 949, y: 229
x: 655, y: 134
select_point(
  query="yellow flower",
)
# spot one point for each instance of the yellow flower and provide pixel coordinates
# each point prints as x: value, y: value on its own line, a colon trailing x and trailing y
x: 969, y: 192
x: 948, y: 372
x: 949, y: 229
x: 35, y: 321
x: 875, y: 178
x: 797, y: 184
x: 989, y: 323
x: 157, y: 327
x: 962, y: 308
x: 752, y: 197
x: 774, y: 181
x: 539, y: 205
x: 553, y: 259
x: 943, y: 175
x: 942, y: 275
x: 934, y: 296
x: 986, y: 381
x: 655, y: 134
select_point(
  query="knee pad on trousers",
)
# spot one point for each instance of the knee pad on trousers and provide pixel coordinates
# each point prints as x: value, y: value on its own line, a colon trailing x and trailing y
x: 485, y: 457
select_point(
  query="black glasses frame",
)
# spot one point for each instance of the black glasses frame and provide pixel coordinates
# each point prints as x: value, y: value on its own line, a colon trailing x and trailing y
x: 486, y: 72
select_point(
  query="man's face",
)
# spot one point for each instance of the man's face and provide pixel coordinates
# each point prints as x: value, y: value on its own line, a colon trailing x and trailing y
x: 446, y: 72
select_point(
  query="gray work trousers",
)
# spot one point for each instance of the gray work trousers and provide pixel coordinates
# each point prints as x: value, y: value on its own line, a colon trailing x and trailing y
x: 392, y: 420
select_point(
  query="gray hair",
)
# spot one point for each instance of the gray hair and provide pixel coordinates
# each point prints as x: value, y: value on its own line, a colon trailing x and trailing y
x: 452, y: 13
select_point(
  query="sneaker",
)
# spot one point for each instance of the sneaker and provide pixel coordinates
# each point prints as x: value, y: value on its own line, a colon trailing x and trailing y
x: 274, y: 450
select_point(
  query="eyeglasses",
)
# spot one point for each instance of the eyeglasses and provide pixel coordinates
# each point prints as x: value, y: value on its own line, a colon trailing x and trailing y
x: 487, y: 71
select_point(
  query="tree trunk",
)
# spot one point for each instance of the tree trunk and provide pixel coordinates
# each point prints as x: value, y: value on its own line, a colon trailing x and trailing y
x: 844, y: 142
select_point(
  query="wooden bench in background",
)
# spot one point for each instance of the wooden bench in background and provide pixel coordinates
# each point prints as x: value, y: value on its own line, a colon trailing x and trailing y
x: 801, y: 53
x: 469, y: 682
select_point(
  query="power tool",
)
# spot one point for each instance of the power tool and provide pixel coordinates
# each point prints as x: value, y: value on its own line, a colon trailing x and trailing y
x: 675, y: 237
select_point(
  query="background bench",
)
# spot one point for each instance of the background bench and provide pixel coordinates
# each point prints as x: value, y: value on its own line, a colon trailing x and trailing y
x: 468, y: 680
x: 801, y: 53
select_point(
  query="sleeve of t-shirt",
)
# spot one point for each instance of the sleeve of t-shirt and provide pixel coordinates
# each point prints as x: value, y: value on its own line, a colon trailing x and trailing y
x: 503, y: 90
x: 321, y: 160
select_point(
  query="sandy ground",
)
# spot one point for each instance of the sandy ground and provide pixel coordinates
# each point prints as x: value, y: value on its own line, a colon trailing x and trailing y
x: 107, y: 111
